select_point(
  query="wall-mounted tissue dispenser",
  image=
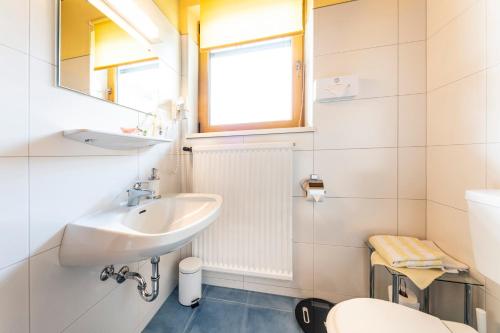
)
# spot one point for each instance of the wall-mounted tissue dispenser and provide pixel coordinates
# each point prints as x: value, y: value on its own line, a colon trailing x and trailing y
x: 314, y: 188
x: 336, y: 88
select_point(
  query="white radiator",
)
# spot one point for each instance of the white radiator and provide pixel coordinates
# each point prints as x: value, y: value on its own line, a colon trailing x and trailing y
x: 253, y: 235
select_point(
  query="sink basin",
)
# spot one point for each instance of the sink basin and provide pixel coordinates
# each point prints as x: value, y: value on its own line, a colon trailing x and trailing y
x: 129, y: 234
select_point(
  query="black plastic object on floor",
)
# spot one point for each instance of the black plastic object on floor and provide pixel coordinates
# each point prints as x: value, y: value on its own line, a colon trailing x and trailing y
x: 311, y: 314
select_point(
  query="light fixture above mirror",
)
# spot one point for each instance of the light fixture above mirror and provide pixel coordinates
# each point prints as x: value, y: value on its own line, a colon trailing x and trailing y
x: 133, y: 17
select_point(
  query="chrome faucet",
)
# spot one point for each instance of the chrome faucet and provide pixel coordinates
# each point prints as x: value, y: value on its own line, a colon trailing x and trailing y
x: 136, y: 193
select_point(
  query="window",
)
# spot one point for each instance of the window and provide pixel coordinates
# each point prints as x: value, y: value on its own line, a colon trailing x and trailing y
x: 252, y: 86
x: 138, y: 85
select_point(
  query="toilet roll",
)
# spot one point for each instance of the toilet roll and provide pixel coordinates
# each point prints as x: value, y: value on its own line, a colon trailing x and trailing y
x: 316, y: 195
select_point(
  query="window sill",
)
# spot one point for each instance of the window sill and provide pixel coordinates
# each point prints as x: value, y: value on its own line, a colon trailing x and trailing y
x: 251, y: 132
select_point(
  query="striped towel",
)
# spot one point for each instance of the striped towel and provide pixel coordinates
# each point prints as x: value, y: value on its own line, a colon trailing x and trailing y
x: 409, y: 252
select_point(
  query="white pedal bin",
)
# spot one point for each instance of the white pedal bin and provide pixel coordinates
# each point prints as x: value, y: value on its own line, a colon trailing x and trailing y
x: 190, y: 281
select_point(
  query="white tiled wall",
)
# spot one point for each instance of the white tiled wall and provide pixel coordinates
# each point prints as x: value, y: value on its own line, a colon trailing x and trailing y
x: 49, y: 181
x: 463, y: 131
x: 424, y: 128
x: 370, y: 151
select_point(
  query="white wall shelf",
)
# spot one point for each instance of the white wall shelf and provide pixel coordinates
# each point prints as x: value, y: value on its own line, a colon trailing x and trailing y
x: 113, y: 140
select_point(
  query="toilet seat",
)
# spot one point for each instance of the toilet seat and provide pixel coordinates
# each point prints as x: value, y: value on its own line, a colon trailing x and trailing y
x: 367, y: 315
x: 458, y: 328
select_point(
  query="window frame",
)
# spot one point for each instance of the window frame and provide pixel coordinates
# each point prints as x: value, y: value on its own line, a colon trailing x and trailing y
x: 297, y: 92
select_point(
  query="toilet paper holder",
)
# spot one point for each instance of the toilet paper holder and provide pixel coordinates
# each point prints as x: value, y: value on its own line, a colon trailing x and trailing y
x: 314, y: 188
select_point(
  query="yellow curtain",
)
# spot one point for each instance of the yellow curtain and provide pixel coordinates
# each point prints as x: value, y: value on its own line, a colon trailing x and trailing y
x: 170, y: 8
x: 113, y: 46
x: 229, y: 22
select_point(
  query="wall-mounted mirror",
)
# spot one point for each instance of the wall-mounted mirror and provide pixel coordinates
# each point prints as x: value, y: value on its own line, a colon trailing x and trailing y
x: 115, y: 50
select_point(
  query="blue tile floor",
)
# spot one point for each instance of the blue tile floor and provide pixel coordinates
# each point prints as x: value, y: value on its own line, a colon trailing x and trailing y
x: 225, y: 310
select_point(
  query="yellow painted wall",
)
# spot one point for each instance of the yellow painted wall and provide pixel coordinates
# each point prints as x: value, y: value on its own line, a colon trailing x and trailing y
x: 170, y: 9
x: 324, y: 3
x: 75, y: 36
x: 183, y: 14
x: 189, y: 18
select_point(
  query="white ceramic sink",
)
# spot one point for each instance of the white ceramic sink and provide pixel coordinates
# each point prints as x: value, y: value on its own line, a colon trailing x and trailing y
x: 130, y: 234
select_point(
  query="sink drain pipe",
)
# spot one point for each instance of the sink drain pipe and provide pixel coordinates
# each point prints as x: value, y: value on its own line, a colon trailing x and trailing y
x: 125, y: 274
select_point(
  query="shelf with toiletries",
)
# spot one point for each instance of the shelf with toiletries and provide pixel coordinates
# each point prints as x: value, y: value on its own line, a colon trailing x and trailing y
x: 113, y: 140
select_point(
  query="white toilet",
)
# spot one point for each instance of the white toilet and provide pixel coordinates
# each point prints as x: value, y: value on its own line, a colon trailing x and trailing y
x: 368, y: 315
x: 365, y: 315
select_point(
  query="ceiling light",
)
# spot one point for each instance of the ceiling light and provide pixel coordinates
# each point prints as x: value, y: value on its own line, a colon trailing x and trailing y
x: 130, y: 16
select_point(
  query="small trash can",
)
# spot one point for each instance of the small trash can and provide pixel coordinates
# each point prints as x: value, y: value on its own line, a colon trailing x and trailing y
x: 311, y: 314
x: 190, y: 281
